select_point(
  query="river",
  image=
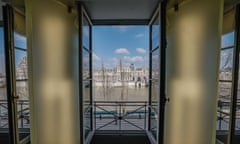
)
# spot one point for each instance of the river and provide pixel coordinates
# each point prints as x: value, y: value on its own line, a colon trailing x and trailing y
x: 121, y: 94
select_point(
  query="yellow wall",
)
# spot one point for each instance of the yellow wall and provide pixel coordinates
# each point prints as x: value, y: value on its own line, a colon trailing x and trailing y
x: 53, y: 57
x: 193, y: 34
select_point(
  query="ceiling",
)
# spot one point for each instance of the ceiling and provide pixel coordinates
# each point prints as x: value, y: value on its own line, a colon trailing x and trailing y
x: 111, y: 10
x: 100, y: 10
x: 120, y: 9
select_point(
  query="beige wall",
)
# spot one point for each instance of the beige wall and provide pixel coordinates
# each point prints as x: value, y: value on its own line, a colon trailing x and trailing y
x: 53, y: 57
x: 193, y: 34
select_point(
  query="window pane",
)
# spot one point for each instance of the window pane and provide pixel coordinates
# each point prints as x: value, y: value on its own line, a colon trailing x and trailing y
x: 226, y: 64
x: 21, y: 65
x: 155, y: 34
x: 155, y: 77
x: 86, y: 64
x: 225, y: 88
x: 155, y: 92
x: 228, y: 40
x: 154, y: 108
x: 86, y: 34
x: 22, y: 90
x: 4, y: 132
x: 87, y: 108
x: 20, y: 41
x: 153, y: 126
x: 223, y: 110
x: 155, y: 64
x: 86, y: 76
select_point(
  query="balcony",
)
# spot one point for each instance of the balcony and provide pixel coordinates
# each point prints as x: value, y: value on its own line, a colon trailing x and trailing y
x: 223, y: 121
x: 120, y: 122
x: 23, y: 121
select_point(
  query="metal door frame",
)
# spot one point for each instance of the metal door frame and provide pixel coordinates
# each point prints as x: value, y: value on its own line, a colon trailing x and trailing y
x: 8, y: 23
x: 159, y: 13
x: 233, y: 108
x: 82, y: 13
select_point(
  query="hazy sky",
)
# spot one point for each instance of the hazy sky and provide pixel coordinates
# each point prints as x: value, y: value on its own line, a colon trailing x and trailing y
x: 128, y: 43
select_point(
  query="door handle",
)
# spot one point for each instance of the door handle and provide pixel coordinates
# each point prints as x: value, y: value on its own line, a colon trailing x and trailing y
x: 167, y: 99
x: 15, y: 96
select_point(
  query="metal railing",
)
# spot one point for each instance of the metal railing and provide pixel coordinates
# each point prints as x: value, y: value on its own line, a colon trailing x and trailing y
x: 23, y: 114
x: 223, y: 119
x: 120, y: 115
x: 223, y: 116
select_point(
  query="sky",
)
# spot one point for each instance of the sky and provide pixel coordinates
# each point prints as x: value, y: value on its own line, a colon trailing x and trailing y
x: 227, y: 54
x: 19, y: 41
x: 128, y: 43
x: 112, y: 43
x: 2, y: 59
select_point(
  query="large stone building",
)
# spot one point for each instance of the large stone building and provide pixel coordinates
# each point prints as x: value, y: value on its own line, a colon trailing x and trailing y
x: 22, y: 79
x: 121, y: 75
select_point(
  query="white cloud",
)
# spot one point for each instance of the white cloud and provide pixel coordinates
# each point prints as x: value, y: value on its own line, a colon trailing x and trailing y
x: 141, y: 50
x: 139, y: 35
x: 121, y: 28
x: 134, y: 59
x: 96, y: 58
x: 114, y: 60
x: 122, y: 51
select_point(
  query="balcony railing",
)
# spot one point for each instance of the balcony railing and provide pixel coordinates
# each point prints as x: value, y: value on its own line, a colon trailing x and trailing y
x: 120, y: 115
x: 23, y: 114
x: 223, y: 116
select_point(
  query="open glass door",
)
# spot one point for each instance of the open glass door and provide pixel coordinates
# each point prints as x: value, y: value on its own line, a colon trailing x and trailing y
x: 234, y: 126
x: 85, y: 43
x: 5, y: 130
x: 16, y: 75
x: 157, y: 60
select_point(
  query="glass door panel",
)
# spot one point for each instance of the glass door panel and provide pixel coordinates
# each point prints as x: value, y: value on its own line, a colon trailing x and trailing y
x: 87, y: 109
x: 21, y: 82
x: 86, y: 77
x: 154, y: 74
x: 8, y: 23
x: 157, y: 60
x: 16, y: 75
x: 236, y: 128
x: 225, y: 87
x: 4, y: 121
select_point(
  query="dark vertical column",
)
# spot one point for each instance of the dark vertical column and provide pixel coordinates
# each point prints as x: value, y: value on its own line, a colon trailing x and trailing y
x: 10, y: 73
x: 162, y: 85
x: 150, y: 77
x: 236, y: 76
x: 91, y: 77
x: 80, y: 23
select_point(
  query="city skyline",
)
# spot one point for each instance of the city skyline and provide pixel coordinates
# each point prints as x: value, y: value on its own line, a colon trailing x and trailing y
x: 130, y: 44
